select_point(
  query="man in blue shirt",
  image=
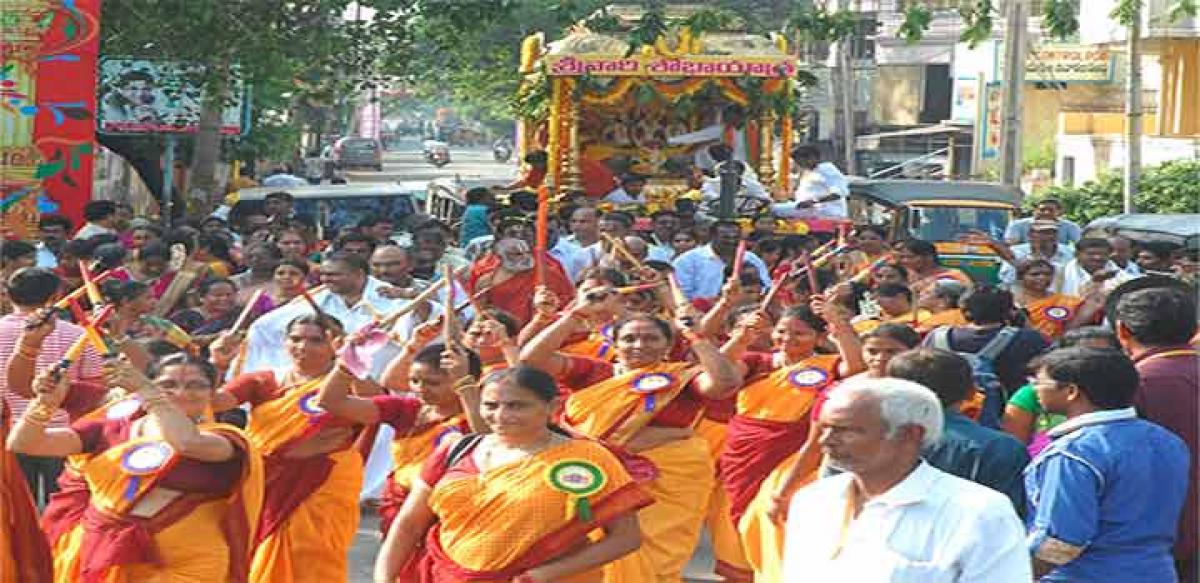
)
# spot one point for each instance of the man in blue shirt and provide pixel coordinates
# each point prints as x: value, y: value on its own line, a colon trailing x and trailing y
x: 1105, y: 495
x: 1047, y: 209
x: 966, y: 449
x: 701, y: 271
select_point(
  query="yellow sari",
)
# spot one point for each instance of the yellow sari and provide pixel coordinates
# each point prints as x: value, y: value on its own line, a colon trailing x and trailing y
x: 311, y: 511
x: 197, y: 538
x: 494, y: 526
x: 613, y: 411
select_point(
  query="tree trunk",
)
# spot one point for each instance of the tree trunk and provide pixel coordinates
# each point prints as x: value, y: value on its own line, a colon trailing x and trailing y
x: 207, y: 150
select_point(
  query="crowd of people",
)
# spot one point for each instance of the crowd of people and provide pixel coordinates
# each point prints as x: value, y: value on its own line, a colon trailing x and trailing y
x: 577, y: 397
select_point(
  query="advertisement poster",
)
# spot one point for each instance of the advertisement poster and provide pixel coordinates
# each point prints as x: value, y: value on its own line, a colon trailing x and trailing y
x: 47, y: 104
x: 991, y: 122
x: 140, y: 96
x: 965, y: 104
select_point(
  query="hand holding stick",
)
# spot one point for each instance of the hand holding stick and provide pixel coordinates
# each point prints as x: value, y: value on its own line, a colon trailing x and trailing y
x: 241, y: 321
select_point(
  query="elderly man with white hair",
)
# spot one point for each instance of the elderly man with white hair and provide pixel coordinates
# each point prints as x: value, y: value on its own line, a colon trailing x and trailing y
x: 890, y: 516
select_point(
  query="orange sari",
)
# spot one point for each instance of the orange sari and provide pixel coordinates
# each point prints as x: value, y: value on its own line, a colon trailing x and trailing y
x: 1050, y: 315
x: 310, y: 511
x: 771, y: 424
x: 597, y: 345
x: 952, y: 317
x: 678, y: 475
x: 547, y: 505
x: 24, y: 554
x: 201, y: 536
x: 410, y: 449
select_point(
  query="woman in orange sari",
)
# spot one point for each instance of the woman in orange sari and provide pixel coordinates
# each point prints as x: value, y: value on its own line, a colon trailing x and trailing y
x: 763, y: 520
x: 432, y: 405
x: 171, y: 496
x: 772, y: 408
x: 313, y: 474
x: 1050, y: 313
x: 517, y: 504
x: 644, y: 409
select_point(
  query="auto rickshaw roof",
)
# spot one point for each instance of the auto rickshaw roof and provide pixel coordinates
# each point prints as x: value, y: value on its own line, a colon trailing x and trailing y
x: 1183, y: 229
x: 917, y: 192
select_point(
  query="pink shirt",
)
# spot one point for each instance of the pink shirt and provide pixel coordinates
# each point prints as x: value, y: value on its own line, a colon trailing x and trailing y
x: 88, y: 367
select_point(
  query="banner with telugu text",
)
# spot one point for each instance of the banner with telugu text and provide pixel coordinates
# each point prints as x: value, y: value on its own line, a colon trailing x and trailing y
x: 48, y: 51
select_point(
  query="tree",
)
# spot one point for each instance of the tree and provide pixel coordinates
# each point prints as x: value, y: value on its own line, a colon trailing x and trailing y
x: 269, y: 44
x: 1173, y: 187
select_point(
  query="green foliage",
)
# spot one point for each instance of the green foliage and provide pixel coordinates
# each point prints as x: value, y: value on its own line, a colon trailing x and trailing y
x: 1173, y: 187
x: 1126, y: 11
x: 1060, y: 18
x: 819, y: 24
x: 1183, y: 9
x: 649, y: 27
x: 916, y: 22
x: 708, y: 20
x: 978, y: 16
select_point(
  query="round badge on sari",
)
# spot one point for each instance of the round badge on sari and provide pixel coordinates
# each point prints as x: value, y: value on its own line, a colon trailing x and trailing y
x: 123, y: 409
x: 146, y: 458
x: 309, y: 406
x: 808, y: 378
x: 450, y: 431
x: 1057, y: 313
x: 652, y: 382
x: 578, y: 479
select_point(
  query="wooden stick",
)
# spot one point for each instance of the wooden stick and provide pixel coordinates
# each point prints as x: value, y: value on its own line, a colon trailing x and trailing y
x: 241, y: 321
x: 389, y: 320
x: 75, y: 294
x: 680, y: 299
x: 89, y: 285
x: 866, y: 272
x: 450, y: 321
x: 542, y: 235
x: 633, y: 289
x: 619, y: 247
x: 739, y: 257
x: 812, y: 274
x: 776, y: 287
x: 76, y: 349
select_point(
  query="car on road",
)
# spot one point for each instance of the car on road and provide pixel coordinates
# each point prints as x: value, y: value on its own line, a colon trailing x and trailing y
x: 350, y: 153
x: 334, y: 207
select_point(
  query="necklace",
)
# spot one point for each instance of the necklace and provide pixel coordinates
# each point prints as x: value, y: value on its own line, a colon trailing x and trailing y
x: 486, y: 464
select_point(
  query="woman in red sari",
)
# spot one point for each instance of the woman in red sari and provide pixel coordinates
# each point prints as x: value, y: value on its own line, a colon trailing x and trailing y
x: 644, y: 407
x: 24, y: 555
x: 519, y: 503
x: 171, y: 497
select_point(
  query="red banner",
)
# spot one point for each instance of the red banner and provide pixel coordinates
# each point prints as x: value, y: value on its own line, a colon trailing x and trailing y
x: 47, y: 106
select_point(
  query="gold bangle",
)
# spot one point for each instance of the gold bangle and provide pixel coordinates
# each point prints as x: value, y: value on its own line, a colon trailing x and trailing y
x: 39, y: 414
x: 28, y: 352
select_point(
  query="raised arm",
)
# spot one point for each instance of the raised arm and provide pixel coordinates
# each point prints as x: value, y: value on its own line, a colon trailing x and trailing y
x: 466, y: 386
x: 395, y: 375
x: 713, y: 321
x: 23, y: 361
x: 849, y: 346
x: 335, y: 397
x: 742, y: 336
x: 721, y: 378
x: 30, y: 435
x: 545, y: 311
x: 180, y: 432
x: 542, y: 351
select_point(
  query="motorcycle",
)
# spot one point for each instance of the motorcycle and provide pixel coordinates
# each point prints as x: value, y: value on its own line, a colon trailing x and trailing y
x: 437, y: 153
x: 502, y: 151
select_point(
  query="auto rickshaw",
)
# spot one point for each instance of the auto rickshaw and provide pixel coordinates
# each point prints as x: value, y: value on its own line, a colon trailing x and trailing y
x: 940, y: 212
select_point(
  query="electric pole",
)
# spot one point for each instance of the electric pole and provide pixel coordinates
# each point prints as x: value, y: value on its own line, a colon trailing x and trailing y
x: 1133, y: 109
x: 1014, y: 84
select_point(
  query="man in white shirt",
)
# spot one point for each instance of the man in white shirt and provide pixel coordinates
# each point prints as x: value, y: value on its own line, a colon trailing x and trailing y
x: 701, y: 271
x: 1091, y: 266
x: 351, y: 296
x: 890, y: 516
x: 821, y: 192
x: 1043, y: 244
x: 630, y: 191
x: 101, y: 217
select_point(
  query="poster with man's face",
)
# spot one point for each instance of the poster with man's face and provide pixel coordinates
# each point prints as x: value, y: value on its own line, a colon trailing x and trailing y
x: 142, y: 96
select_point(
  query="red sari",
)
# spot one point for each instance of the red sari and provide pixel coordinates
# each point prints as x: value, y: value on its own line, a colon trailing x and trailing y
x: 515, y: 294
x: 24, y: 554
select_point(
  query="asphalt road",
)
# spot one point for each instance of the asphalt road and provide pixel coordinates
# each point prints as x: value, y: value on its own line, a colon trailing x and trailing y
x: 405, y: 162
